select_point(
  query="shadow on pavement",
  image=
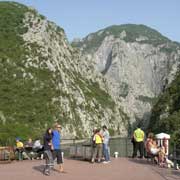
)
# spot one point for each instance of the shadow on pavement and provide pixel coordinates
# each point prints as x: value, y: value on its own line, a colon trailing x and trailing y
x: 39, y: 168
x: 79, y: 159
x: 166, y: 173
x: 176, y: 172
x: 141, y: 161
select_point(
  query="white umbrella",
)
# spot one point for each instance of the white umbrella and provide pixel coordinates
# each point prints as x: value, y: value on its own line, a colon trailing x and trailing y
x: 162, y: 136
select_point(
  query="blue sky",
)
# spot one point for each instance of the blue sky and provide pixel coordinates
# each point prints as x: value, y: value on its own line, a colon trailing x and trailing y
x: 80, y: 17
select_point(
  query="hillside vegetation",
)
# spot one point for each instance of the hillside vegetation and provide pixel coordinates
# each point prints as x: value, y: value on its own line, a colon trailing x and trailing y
x: 132, y: 33
x: 40, y: 80
x: 166, y: 113
x: 23, y: 103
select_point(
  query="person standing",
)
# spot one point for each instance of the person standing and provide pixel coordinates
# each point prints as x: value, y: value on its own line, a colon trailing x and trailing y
x: 106, y: 144
x: 48, y: 147
x: 98, y: 139
x: 19, y: 149
x: 56, y: 140
x: 139, y: 142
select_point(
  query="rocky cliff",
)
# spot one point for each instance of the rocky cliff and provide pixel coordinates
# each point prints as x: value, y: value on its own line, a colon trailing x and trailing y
x: 137, y: 62
x: 43, y: 80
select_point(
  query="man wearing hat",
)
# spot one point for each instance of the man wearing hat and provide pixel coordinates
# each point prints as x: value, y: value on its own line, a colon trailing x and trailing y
x: 19, y: 148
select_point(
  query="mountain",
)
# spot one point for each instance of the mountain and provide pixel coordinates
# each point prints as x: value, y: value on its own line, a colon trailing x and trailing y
x: 119, y: 76
x: 43, y: 80
x: 137, y: 62
x: 166, y: 112
x: 127, y: 32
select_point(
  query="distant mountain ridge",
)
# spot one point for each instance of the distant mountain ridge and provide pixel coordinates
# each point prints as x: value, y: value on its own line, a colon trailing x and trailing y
x: 137, y: 62
x: 127, y: 32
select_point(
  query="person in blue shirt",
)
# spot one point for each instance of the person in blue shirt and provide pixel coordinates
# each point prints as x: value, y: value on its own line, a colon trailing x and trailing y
x: 56, y: 141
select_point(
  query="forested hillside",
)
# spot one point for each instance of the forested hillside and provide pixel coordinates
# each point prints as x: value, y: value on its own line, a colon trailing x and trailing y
x: 166, y: 113
x: 42, y: 80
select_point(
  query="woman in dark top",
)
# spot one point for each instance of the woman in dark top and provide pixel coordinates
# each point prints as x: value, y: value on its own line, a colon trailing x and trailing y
x: 48, y: 147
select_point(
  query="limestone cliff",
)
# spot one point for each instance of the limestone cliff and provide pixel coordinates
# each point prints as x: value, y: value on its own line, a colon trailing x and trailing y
x: 44, y: 80
x: 137, y: 62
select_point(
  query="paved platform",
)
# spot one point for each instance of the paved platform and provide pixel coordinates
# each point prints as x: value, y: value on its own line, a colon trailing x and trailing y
x: 117, y: 169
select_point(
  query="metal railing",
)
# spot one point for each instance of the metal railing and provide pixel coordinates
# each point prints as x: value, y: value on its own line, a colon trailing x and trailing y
x: 121, y: 145
x: 176, y: 156
x: 117, y: 144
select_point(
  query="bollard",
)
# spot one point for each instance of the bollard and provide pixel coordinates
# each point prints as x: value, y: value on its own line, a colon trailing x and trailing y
x: 62, y: 154
x: 116, y: 154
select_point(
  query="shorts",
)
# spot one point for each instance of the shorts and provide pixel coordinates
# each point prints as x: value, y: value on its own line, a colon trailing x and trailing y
x: 57, y: 154
x: 154, y: 151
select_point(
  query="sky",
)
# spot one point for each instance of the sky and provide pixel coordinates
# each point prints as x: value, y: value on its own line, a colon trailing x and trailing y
x: 81, y: 17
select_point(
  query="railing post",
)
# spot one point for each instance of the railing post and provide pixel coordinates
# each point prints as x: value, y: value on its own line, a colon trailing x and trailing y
x: 175, y: 158
x: 127, y: 147
x: 74, y: 142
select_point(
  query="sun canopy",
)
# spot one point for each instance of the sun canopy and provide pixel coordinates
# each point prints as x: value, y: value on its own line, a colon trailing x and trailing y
x: 162, y: 136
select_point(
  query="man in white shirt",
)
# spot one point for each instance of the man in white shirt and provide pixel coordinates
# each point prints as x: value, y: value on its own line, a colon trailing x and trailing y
x: 106, y: 144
